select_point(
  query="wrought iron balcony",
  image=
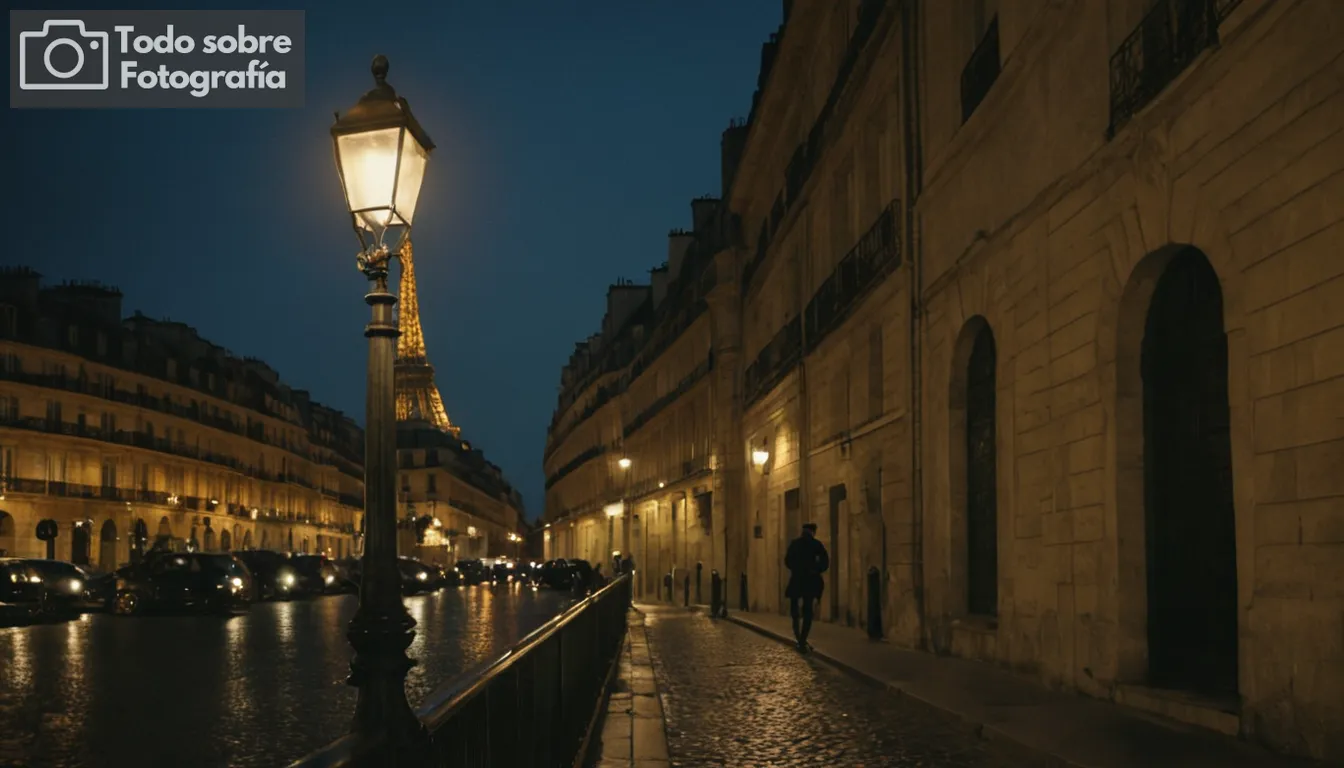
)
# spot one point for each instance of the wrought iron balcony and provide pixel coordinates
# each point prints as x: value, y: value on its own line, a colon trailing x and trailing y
x: 682, y: 388
x: 773, y: 362
x: 1170, y: 37
x: 866, y: 264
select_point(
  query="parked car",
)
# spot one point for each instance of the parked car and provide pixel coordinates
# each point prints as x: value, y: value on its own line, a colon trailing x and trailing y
x: 317, y: 575
x: 68, y: 588
x: 273, y: 577
x: 198, y: 581
x: 347, y: 576
x: 416, y: 577
x: 472, y: 571
x: 21, y: 590
x: 566, y: 574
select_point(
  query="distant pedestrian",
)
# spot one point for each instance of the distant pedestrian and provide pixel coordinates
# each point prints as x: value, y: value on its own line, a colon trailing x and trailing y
x: 806, y: 560
x: 627, y: 564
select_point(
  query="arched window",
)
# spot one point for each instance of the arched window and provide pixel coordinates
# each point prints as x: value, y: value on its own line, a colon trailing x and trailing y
x: 982, y: 529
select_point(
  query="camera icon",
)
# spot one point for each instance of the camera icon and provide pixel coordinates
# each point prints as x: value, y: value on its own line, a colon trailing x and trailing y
x: 44, y: 58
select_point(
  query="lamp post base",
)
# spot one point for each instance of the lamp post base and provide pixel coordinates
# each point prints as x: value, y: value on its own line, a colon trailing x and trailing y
x: 379, y: 671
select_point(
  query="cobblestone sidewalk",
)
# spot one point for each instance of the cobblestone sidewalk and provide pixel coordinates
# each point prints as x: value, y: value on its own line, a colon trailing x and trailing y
x: 633, y: 733
x: 735, y: 698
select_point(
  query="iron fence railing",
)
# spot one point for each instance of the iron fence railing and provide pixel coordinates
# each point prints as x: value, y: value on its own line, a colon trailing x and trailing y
x: 533, y: 707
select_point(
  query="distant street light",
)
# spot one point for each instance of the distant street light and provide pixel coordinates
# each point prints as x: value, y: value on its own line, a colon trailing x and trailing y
x: 381, y: 152
x: 624, y: 463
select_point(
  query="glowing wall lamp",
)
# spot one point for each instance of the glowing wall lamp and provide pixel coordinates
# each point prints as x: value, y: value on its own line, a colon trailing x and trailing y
x: 759, y: 457
x: 624, y: 463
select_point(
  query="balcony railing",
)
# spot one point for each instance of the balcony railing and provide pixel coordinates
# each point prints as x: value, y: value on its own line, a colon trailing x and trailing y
x: 531, y: 708
x: 774, y: 362
x: 1168, y: 39
x: 149, y: 442
x: 575, y: 463
x: 807, y: 155
x: 867, y: 263
x: 682, y: 388
x: 190, y: 413
x: 980, y: 72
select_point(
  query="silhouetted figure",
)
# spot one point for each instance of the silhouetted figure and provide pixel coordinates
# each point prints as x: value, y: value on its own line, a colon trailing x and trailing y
x: 806, y: 560
x: 627, y: 564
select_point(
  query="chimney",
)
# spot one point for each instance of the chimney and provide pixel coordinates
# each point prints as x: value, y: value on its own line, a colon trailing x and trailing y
x: 678, y: 240
x: 658, y: 279
x: 702, y: 215
x: 732, y: 144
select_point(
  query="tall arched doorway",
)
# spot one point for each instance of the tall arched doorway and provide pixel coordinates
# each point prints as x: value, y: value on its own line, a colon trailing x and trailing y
x: 982, y: 527
x: 80, y: 546
x: 7, y: 540
x: 247, y: 539
x: 1189, y: 524
x: 139, y: 540
x: 209, y: 539
x: 291, y: 541
x: 225, y: 540
x: 265, y: 539
x: 107, y: 546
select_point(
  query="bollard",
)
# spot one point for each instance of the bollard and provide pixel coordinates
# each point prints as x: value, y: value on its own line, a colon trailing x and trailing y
x: 686, y: 591
x: 667, y: 583
x: 715, y: 593
x: 874, y: 603
x: 699, y: 568
x: 742, y: 594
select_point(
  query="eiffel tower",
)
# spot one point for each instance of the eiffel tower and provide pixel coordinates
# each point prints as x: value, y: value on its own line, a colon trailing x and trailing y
x: 418, y: 398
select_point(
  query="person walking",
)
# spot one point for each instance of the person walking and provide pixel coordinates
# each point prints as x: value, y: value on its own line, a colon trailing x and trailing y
x: 806, y: 560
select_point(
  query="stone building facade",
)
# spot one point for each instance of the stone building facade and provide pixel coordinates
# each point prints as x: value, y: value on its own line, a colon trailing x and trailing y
x: 1035, y: 308
x: 453, y: 504
x: 134, y: 432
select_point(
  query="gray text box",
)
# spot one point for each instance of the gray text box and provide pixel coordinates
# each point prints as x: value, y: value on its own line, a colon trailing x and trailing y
x: 156, y: 59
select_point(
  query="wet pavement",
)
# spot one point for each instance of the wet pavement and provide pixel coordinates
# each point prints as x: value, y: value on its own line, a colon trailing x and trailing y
x: 256, y: 690
x: 734, y: 698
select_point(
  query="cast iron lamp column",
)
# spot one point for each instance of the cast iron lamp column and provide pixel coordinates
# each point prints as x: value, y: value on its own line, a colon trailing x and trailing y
x: 381, y: 153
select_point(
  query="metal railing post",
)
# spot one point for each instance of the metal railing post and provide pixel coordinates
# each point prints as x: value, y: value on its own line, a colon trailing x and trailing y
x: 686, y: 591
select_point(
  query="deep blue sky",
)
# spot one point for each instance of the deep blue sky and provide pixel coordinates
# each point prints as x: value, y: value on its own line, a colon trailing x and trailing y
x: 571, y: 137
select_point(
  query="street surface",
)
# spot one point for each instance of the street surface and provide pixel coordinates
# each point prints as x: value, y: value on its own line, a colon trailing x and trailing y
x: 256, y: 690
x: 734, y: 698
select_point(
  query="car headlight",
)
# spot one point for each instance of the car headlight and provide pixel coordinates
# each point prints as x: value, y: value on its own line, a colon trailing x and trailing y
x: 329, y: 579
x: 286, y: 579
x: 236, y: 582
x: 76, y: 585
x: 34, y: 579
x: 422, y: 576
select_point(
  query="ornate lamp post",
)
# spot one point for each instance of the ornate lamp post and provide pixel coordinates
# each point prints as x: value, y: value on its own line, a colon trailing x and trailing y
x: 381, y: 153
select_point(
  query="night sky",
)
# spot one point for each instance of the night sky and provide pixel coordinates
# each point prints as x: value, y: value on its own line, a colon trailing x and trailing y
x: 571, y: 137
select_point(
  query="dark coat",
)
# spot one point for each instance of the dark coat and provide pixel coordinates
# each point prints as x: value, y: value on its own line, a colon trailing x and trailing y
x: 806, y: 561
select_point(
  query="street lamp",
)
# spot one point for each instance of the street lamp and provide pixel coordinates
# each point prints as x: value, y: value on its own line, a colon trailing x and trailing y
x: 624, y: 463
x: 381, y: 153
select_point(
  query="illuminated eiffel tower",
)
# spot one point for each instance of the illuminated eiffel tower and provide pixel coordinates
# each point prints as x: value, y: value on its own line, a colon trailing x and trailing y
x: 418, y: 398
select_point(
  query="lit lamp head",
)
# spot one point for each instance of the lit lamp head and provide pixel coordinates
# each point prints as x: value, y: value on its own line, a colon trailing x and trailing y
x: 624, y: 463
x: 759, y: 457
x: 381, y: 153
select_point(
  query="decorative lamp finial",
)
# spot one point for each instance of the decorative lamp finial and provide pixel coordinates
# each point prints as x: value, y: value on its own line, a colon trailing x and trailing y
x: 379, y: 69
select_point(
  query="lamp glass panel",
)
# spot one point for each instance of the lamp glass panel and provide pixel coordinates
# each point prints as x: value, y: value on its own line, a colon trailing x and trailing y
x: 409, y: 178
x: 369, y: 167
